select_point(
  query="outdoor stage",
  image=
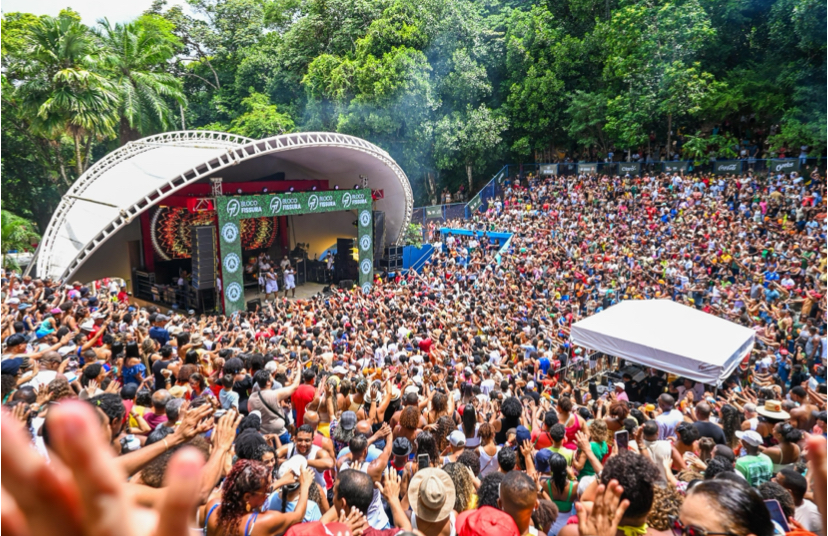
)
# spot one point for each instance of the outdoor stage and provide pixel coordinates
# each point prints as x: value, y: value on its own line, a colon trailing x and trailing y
x: 202, y: 206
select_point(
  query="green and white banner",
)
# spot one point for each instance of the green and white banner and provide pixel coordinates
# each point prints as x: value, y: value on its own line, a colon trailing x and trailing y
x: 587, y: 168
x: 784, y: 166
x: 631, y: 168
x: 232, y: 209
x: 474, y: 204
x: 727, y: 167
x: 433, y: 212
x: 675, y: 167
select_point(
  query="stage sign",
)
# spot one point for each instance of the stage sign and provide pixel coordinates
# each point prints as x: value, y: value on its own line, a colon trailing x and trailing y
x: 232, y: 209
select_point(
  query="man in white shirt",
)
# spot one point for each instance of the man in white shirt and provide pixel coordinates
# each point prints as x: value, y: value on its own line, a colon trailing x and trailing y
x: 807, y: 513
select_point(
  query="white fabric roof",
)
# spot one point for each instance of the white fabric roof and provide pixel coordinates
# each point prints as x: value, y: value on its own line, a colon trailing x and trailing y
x: 667, y: 336
x: 131, y: 179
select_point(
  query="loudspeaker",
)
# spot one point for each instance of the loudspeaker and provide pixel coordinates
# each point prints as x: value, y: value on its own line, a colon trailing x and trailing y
x: 251, y: 305
x: 203, y: 241
x: 346, y: 284
x: 344, y: 250
x: 379, y: 233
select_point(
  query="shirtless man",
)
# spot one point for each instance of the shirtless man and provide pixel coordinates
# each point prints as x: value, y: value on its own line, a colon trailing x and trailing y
x: 802, y: 417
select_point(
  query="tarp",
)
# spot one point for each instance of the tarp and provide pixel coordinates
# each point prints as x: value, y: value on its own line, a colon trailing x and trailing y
x: 667, y: 336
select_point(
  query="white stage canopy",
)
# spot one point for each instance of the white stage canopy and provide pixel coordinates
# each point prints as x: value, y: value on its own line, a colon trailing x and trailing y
x: 667, y: 336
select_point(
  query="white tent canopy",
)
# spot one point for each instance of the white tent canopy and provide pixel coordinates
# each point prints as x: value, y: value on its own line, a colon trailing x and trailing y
x: 667, y: 336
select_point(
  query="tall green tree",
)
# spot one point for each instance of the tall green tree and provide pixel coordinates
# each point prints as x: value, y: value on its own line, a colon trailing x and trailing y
x: 61, y: 92
x: 135, y: 59
x: 16, y: 234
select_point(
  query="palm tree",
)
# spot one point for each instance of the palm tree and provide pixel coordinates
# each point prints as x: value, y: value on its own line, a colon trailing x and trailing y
x: 135, y: 59
x: 16, y: 233
x: 62, y: 92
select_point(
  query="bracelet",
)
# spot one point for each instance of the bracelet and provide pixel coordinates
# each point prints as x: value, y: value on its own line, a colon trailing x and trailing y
x: 166, y: 446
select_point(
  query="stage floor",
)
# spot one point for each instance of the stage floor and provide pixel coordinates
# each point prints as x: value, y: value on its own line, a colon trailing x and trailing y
x: 308, y: 290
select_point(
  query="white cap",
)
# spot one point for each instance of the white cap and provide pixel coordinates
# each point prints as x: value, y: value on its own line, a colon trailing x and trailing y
x: 457, y: 439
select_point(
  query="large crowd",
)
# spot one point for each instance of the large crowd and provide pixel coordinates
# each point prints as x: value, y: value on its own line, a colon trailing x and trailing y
x: 450, y: 401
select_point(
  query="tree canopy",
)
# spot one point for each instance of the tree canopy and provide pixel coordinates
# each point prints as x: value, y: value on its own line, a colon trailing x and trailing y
x: 452, y: 89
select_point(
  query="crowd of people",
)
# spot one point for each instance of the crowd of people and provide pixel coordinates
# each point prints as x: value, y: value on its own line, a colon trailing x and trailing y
x: 446, y: 402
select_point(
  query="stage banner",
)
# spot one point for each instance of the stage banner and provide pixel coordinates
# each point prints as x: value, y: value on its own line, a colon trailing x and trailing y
x: 587, y: 168
x: 631, y: 168
x: 675, y: 167
x: 232, y: 209
x: 727, y: 167
x: 474, y: 204
x: 434, y: 212
x: 784, y: 166
x: 501, y: 176
x: 549, y: 169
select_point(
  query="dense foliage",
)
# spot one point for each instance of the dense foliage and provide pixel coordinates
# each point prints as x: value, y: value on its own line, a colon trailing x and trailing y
x: 451, y: 88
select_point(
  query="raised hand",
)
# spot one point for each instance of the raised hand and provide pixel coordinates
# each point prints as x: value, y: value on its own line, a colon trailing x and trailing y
x: 86, y: 492
x: 355, y: 520
x: 607, y: 511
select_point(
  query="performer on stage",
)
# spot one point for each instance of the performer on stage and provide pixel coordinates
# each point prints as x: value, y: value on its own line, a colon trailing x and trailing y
x: 271, y: 284
x: 290, y: 281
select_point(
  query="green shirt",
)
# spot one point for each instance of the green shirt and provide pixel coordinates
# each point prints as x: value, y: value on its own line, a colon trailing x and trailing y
x: 756, y: 469
x: 599, y: 450
x: 565, y: 452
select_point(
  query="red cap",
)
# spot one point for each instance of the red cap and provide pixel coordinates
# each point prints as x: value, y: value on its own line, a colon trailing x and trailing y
x: 486, y: 521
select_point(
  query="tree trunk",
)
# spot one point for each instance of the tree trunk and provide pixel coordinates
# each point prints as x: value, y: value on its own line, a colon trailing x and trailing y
x: 183, y: 124
x: 669, y: 131
x: 469, y: 175
x: 126, y: 133
x: 78, y: 156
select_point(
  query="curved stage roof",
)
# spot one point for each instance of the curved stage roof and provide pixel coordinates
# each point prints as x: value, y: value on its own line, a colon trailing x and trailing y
x: 139, y: 175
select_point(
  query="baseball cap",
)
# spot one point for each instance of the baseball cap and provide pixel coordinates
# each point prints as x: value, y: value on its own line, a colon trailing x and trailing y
x: 11, y: 366
x: 542, y: 460
x: 457, y: 439
x: 750, y: 437
x: 295, y: 465
x: 15, y: 340
x: 485, y: 521
x: 522, y: 434
x: 348, y: 420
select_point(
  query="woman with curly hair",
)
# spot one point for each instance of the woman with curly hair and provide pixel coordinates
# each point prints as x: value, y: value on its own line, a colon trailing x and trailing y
x: 441, y: 405
x: 408, y: 426
x: 597, y: 443
x: 545, y: 517
x: 445, y: 426
x: 618, y: 411
x: 427, y: 444
x: 666, y: 504
x: 730, y: 419
x: 463, y: 485
x: 487, y: 450
x: 243, y: 493
x: 511, y: 411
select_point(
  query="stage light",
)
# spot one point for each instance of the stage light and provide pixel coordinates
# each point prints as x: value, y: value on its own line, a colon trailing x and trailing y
x: 264, y: 190
x: 314, y: 188
x: 356, y: 186
x: 239, y: 191
x: 336, y: 187
x: 291, y: 188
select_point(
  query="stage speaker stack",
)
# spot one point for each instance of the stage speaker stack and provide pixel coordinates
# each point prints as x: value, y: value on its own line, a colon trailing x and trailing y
x: 344, y: 248
x: 392, y: 259
x: 251, y: 305
x: 379, y: 233
x: 203, y: 240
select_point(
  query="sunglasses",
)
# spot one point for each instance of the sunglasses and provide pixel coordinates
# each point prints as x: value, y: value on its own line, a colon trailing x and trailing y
x: 680, y: 529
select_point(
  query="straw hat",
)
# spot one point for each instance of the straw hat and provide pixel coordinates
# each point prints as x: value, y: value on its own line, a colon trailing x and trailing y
x: 773, y: 410
x: 431, y: 494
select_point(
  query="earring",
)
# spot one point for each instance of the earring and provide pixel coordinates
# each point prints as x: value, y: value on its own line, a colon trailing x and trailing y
x: 247, y: 505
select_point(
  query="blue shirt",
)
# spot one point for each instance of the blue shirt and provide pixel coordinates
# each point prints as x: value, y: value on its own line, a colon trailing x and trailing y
x: 274, y: 502
x: 159, y: 334
x: 133, y: 373
x: 373, y: 453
